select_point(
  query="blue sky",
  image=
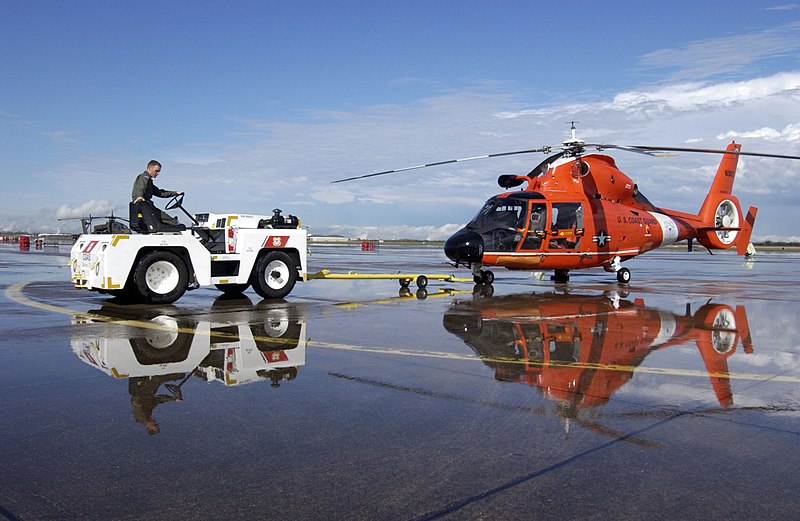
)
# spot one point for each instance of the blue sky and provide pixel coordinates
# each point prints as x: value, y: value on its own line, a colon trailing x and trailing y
x: 256, y: 105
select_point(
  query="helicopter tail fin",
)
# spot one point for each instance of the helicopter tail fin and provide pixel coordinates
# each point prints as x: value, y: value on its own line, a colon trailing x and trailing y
x: 723, y: 222
x: 723, y: 181
x: 747, y: 229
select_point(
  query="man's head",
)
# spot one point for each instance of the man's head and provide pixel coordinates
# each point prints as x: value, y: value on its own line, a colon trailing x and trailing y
x: 152, y: 427
x: 153, y: 168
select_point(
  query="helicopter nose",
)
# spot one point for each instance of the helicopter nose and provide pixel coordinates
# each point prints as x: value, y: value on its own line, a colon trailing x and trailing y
x: 464, y: 246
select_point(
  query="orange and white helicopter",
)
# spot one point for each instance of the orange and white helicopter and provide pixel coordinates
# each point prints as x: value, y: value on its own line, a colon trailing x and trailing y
x: 579, y: 210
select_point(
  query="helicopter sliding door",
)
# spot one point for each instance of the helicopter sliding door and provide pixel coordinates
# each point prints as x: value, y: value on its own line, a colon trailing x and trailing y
x: 566, y: 226
x: 554, y: 226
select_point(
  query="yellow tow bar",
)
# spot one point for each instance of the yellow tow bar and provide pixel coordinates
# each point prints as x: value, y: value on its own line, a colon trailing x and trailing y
x: 404, y: 278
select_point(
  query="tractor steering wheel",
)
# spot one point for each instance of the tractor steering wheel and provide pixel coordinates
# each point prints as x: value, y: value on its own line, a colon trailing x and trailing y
x: 175, y: 202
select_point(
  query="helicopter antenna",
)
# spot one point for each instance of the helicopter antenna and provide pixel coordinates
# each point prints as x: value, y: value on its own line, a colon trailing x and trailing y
x: 572, y: 128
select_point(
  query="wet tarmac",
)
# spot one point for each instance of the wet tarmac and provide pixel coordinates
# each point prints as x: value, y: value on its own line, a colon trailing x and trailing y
x: 676, y: 397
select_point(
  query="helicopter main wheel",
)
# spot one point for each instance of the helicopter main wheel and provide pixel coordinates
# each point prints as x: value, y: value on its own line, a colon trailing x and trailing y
x: 422, y: 281
x: 623, y: 275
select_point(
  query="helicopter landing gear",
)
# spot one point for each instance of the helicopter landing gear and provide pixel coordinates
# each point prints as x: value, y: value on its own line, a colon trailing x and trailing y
x: 623, y: 274
x: 482, y: 276
x: 560, y: 276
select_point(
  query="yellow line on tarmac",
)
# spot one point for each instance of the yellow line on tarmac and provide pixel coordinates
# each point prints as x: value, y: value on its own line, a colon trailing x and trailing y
x: 600, y: 367
x: 14, y: 292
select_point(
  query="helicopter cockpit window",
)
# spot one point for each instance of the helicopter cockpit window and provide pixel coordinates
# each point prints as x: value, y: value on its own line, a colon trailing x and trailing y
x: 499, y: 222
x: 566, y: 225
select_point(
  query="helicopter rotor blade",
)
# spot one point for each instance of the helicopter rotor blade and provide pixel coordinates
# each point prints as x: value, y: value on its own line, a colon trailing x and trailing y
x: 438, y: 163
x: 630, y: 148
x: 541, y: 167
x: 655, y: 151
x: 575, y: 149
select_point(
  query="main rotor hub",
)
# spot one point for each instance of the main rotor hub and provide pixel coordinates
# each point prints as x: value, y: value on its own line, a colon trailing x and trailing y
x: 573, y: 146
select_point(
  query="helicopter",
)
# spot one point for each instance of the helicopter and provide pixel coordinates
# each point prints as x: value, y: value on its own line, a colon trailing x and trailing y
x: 578, y: 210
x: 113, y: 224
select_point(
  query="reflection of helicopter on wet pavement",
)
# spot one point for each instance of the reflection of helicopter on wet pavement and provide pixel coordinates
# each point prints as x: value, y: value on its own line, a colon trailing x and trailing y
x: 238, y: 344
x: 578, y: 350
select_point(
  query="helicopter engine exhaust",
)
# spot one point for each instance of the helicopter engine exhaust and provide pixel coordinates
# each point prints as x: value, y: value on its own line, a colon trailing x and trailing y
x: 510, y: 181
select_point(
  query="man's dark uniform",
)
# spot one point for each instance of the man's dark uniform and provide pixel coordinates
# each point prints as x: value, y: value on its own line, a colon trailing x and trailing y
x: 144, y: 187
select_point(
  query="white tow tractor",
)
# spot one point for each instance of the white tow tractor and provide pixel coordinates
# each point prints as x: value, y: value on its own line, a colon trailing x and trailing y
x: 160, y: 262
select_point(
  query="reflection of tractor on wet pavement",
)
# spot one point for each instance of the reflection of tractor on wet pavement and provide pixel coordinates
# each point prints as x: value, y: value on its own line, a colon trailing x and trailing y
x: 159, y: 355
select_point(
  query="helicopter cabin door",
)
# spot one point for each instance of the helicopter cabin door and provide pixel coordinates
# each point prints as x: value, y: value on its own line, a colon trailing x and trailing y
x: 554, y: 226
x: 566, y: 226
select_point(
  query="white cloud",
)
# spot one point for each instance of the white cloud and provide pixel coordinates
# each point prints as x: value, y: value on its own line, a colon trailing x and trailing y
x: 683, y: 97
x: 783, y: 7
x: 290, y: 165
x: 788, y: 133
x: 729, y: 54
x: 332, y: 195
x: 692, y: 96
x: 94, y: 207
x: 61, y: 136
x: 428, y: 233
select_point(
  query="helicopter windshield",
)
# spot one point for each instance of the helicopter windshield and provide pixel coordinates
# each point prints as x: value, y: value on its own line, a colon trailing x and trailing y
x: 499, y: 223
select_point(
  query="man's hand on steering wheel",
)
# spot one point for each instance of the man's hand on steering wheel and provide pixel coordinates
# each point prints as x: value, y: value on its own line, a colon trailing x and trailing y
x: 175, y: 202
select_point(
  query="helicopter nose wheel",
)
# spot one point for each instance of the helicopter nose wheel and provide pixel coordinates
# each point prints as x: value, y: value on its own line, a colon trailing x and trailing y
x: 484, y: 277
x: 623, y: 275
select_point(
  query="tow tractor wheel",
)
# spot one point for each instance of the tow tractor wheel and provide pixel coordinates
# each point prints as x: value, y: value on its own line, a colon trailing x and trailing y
x: 160, y: 277
x: 623, y: 275
x: 232, y: 289
x: 274, y: 275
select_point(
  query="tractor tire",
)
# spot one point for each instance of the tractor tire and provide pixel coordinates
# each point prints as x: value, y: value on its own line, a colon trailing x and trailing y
x: 274, y: 275
x: 160, y: 277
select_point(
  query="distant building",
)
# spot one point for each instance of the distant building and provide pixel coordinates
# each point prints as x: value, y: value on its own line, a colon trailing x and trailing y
x: 327, y: 239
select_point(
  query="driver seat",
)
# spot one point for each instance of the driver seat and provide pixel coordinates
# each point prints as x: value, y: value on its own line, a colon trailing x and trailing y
x: 146, y: 218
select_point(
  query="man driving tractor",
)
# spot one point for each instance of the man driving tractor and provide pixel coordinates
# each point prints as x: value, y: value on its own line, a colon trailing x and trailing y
x: 144, y: 189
